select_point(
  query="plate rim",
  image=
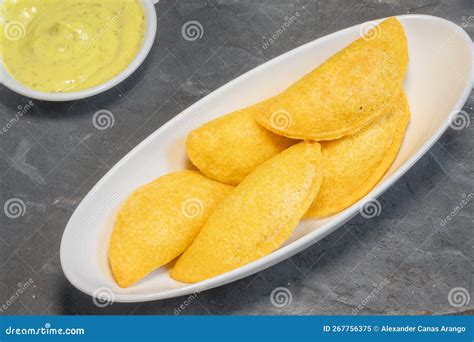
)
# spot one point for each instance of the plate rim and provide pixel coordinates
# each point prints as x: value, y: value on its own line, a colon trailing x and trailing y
x: 301, y: 243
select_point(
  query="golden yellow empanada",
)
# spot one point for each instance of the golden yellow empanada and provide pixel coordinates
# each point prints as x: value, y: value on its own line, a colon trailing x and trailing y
x: 229, y: 148
x: 257, y: 217
x: 353, y: 165
x: 345, y: 93
x: 159, y: 221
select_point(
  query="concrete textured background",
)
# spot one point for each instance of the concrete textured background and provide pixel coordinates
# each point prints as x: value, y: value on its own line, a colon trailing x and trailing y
x: 405, y: 261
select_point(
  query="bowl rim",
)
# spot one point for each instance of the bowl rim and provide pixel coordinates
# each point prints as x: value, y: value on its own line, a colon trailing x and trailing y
x: 7, y: 80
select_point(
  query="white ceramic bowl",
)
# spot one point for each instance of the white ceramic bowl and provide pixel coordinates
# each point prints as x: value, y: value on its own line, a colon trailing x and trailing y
x: 150, y: 31
x: 438, y: 83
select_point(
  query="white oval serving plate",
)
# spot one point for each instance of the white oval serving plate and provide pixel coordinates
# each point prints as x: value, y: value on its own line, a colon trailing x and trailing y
x: 437, y: 84
x: 150, y: 31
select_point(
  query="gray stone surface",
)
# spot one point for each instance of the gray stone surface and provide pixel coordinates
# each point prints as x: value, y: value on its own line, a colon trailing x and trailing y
x: 404, y: 261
